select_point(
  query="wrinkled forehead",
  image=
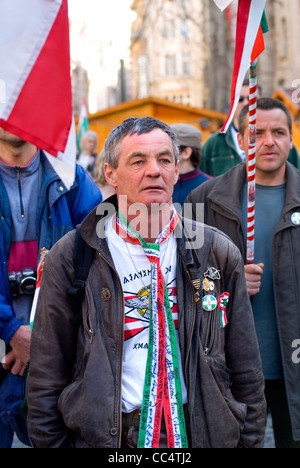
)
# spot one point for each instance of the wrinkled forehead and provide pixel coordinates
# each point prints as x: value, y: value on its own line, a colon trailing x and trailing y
x: 272, y: 118
x: 155, y: 142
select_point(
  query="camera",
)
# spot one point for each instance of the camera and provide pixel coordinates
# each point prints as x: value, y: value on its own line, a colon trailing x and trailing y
x: 22, y: 282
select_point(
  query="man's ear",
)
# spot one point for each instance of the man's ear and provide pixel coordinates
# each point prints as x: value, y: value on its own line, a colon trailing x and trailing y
x: 241, y: 141
x: 186, y: 153
x: 176, y: 173
x: 291, y: 142
x: 110, y: 175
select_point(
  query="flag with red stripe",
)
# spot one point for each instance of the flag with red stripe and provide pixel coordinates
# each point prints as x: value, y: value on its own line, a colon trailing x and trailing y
x: 248, y: 46
x: 36, y: 97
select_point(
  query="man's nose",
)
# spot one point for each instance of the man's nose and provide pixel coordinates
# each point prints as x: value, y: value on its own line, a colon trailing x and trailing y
x: 153, y: 168
x: 268, y: 139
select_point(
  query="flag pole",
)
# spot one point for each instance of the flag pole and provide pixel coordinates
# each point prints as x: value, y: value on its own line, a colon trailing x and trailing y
x: 251, y: 161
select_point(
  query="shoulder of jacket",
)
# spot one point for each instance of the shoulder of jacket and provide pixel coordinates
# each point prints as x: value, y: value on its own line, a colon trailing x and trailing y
x: 63, y: 248
x: 225, y: 247
x: 210, y: 239
x: 200, y: 193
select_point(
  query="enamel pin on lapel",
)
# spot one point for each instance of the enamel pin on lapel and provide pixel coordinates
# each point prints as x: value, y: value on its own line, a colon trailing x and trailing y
x: 295, y: 218
x: 212, y: 273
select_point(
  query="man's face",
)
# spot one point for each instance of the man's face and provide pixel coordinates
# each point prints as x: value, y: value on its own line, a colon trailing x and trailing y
x: 9, y: 138
x: 146, y: 171
x: 273, y: 140
x: 90, y: 144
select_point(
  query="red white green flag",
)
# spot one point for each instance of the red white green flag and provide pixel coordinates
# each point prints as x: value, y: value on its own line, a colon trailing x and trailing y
x: 249, y: 44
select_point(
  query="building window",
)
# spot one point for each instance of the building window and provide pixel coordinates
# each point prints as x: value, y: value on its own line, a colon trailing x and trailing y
x: 168, y: 30
x: 283, y: 41
x: 170, y: 65
x: 185, y: 28
x: 143, y: 76
x: 186, y: 64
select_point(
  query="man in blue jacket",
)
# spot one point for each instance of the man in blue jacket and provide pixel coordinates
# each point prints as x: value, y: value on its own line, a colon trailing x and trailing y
x: 36, y: 210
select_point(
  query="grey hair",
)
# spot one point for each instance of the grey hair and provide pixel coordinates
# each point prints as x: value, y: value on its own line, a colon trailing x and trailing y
x: 130, y: 126
x: 89, y: 134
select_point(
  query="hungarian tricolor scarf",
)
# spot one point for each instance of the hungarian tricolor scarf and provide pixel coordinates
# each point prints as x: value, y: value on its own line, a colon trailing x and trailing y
x: 162, y: 387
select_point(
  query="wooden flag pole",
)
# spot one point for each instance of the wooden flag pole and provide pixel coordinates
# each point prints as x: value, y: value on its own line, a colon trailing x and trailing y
x: 251, y: 161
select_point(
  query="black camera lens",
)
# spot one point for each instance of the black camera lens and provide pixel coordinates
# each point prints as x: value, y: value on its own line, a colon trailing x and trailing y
x: 22, y: 282
x: 28, y: 281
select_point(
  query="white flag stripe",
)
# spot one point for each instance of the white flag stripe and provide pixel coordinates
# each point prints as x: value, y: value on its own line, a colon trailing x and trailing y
x: 64, y: 164
x: 18, y: 18
x: 222, y: 4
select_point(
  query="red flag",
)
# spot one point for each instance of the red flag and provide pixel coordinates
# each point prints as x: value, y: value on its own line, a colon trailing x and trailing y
x: 259, y: 45
x: 35, y: 67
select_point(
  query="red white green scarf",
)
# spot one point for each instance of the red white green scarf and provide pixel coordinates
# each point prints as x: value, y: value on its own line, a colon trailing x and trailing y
x: 162, y: 387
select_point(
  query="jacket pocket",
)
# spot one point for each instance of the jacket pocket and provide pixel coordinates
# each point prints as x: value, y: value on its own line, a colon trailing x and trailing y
x: 221, y: 375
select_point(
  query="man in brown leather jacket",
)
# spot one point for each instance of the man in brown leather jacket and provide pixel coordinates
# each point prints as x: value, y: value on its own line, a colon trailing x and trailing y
x: 167, y: 332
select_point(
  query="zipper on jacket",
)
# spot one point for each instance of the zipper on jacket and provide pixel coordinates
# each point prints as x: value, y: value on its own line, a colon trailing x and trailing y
x: 20, y: 192
x: 211, y: 333
x: 122, y: 353
x: 90, y: 328
x: 130, y: 431
x: 192, y: 328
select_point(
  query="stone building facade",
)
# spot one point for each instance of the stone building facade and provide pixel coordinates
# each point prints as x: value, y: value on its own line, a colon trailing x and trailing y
x: 183, y: 50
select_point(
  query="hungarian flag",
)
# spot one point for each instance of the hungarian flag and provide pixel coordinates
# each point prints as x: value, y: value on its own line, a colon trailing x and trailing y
x: 35, y: 79
x: 249, y: 44
x: 259, y: 45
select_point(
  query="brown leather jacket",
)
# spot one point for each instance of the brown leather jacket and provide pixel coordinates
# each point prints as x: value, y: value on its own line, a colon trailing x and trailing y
x: 222, y: 197
x: 74, y: 385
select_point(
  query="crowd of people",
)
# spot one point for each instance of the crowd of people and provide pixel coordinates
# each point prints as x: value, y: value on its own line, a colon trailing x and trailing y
x: 177, y: 341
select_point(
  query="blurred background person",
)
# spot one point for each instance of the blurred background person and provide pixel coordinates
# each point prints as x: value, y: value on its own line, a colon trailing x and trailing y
x: 87, y: 156
x: 99, y: 177
x: 190, y: 176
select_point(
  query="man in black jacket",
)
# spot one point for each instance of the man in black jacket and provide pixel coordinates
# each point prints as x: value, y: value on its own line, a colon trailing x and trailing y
x: 273, y: 279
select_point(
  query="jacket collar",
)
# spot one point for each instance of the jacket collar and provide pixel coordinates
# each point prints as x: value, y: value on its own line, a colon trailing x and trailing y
x: 292, y: 188
x: 228, y: 187
x: 227, y: 191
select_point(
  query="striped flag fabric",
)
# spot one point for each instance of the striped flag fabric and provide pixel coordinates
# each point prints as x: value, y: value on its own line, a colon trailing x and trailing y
x: 222, y: 4
x: 248, y: 37
x: 83, y: 123
x: 40, y: 268
x: 259, y: 44
x: 35, y: 78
